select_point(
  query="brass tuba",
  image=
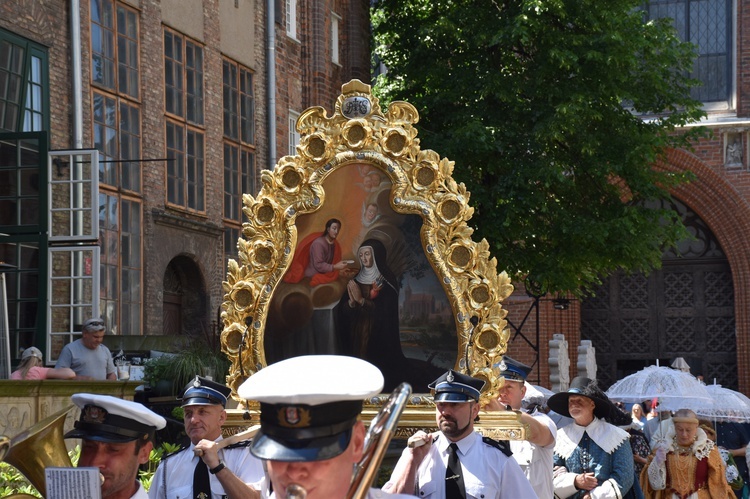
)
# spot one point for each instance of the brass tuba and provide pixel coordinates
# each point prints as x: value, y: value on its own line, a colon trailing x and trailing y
x: 37, y: 448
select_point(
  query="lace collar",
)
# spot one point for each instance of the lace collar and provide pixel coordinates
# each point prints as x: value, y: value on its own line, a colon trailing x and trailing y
x: 700, y: 448
x: 605, y: 435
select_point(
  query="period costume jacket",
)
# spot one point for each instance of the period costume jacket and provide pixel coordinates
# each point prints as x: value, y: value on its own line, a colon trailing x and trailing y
x: 601, y: 448
x: 695, y: 472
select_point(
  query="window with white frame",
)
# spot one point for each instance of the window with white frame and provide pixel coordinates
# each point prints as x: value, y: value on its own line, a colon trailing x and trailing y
x: 293, y: 133
x: 290, y: 16
x: 335, y: 22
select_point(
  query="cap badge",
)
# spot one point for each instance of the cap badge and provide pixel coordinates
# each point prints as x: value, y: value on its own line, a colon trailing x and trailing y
x: 294, y: 417
x: 450, y: 377
x: 94, y: 414
x: 196, y: 382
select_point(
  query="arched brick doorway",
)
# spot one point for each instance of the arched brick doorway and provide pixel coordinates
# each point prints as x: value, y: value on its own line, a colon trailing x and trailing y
x: 685, y: 309
x: 185, y: 299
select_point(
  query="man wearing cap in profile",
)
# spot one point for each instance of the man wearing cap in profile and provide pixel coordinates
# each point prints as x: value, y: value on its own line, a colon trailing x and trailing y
x: 117, y: 437
x: 202, y: 470
x: 458, y: 462
x: 535, y: 454
x: 593, y: 458
x: 88, y: 356
x: 311, y: 436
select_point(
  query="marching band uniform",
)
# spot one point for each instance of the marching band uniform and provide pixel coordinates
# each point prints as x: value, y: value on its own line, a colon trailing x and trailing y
x: 534, y: 459
x: 175, y: 478
x: 107, y: 420
x: 310, y: 428
x: 483, y: 466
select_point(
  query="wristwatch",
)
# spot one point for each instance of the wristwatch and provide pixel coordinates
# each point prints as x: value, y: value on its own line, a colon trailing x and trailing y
x: 218, y: 468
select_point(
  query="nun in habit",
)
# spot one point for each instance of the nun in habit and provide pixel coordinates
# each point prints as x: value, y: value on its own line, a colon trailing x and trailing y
x: 367, y: 324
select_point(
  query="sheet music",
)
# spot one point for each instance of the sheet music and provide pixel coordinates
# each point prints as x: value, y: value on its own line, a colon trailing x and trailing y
x: 73, y: 483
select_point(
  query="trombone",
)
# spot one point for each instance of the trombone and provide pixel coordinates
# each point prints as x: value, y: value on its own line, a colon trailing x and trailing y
x: 379, y: 434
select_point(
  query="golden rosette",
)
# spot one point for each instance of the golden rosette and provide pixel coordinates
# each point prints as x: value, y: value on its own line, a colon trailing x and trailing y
x: 233, y: 337
x: 242, y: 295
x: 357, y: 134
x: 316, y: 147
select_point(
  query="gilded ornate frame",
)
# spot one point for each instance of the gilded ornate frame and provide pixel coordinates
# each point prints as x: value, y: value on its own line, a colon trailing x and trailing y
x: 359, y: 132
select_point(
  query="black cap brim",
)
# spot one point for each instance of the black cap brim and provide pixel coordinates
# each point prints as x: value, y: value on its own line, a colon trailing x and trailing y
x: 312, y: 449
x: 108, y: 438
x: 452, y: 397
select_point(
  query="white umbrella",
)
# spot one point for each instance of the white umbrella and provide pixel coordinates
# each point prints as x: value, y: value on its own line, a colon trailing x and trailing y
x: 674, y: 389
x: 726, y: 405
x: 536, y: 394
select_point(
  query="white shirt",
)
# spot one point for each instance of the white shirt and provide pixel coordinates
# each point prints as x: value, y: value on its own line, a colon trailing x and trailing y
x: 487, y: 472
x: 140, y: 493
x: 536, y: 461
x: 179, y: 469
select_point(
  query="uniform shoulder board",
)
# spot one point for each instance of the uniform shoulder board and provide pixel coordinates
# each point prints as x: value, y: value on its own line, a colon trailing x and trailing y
x: 240, y: 444
x: 167, y: 456
x: 501, y: 445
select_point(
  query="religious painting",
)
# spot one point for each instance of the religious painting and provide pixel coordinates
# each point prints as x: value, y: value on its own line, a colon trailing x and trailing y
x: 360, y: 284
x: 359, y: 245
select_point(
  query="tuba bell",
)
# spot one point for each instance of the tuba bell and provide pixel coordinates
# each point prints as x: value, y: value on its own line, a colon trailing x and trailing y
x: 37, y: 448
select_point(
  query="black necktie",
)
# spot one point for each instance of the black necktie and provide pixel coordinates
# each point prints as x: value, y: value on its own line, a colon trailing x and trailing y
x: 201, y: 483
x: 454, y: 479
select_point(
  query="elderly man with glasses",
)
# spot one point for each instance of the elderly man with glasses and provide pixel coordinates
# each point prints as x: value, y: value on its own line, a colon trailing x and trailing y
x: 87, y: 356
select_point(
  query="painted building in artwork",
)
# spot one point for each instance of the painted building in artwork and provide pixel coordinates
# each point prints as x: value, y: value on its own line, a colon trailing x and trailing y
x: 179, y: 103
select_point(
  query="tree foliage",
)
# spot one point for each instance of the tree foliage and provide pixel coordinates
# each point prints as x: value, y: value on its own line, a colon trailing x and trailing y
x: 541, y: 104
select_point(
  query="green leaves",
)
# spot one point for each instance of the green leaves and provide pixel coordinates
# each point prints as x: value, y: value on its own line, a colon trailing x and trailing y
x: 541, y: 105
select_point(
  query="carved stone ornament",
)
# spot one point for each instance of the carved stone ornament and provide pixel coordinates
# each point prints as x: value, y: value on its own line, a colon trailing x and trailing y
x: 360, y: 133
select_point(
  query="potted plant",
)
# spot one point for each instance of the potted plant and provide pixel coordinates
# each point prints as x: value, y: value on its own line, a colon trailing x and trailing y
x: 158, y: 374
x: 170, y: 373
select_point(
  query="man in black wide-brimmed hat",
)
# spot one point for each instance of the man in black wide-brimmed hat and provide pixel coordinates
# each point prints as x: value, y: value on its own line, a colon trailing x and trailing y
x: 592, y: 457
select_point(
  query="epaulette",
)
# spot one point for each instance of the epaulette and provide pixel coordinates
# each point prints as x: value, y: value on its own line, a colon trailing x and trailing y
x: 174, y: 453
x: 501, y: 445
x: 240, y: 444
